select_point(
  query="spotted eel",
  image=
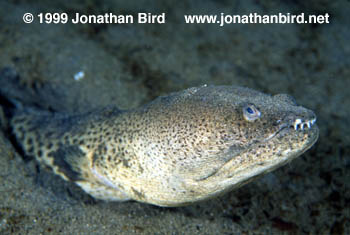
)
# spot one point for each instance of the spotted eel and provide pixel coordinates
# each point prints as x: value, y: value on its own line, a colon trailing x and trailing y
x: 182, y: 148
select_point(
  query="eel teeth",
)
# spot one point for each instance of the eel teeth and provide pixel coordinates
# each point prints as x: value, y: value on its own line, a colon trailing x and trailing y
x: 300, y: 124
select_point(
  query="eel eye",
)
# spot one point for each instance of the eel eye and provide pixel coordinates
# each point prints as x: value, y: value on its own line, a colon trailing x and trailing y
x: 251, y: 113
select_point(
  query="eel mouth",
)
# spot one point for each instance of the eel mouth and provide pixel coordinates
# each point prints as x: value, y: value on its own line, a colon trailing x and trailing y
x: 303, y: 124
x: 298, y: 124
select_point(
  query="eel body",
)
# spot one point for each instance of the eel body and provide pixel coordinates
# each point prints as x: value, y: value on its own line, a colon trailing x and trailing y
x: 179, y: 149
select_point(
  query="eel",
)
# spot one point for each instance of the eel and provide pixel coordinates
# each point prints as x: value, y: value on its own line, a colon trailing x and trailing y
x: 179, y: 149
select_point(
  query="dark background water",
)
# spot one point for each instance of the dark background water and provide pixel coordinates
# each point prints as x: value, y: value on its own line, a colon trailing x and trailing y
x: 131, y: 64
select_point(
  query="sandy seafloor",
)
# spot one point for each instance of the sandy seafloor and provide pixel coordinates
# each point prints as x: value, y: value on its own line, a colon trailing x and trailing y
x: 129, y: 65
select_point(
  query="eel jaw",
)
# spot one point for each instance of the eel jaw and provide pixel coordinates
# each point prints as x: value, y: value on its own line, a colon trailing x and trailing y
x: 301, y: 124
x: 297, y: 124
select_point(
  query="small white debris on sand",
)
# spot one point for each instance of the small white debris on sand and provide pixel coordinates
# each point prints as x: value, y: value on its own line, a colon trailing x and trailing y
x: 79, y: 75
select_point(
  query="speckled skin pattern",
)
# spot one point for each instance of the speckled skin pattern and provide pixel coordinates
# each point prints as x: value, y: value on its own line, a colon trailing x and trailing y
x: 182, y: 148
